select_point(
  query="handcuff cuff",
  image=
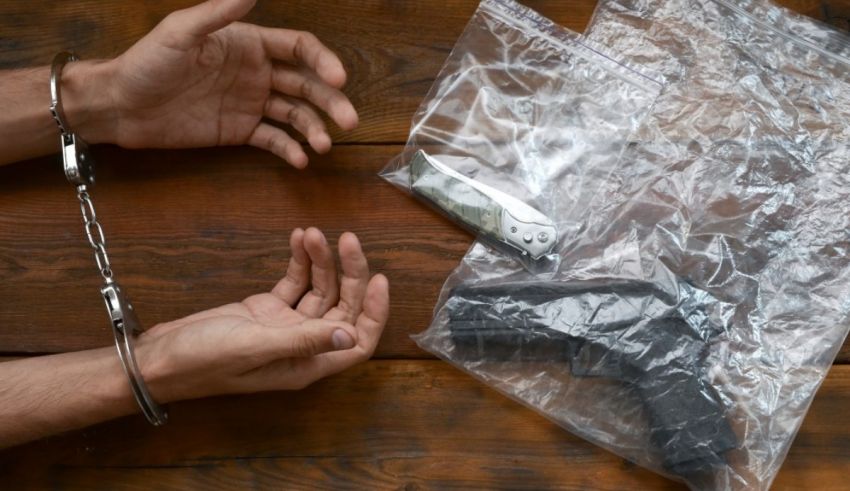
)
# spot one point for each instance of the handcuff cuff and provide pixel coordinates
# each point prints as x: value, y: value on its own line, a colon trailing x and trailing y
x: 79, y: 170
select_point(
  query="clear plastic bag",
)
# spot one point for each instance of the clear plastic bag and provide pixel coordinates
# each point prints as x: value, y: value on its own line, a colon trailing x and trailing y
x: 739, y: 183
x: 700, y: 305
x: 531, y: 115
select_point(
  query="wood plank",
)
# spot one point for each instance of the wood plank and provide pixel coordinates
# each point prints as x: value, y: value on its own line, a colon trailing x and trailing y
x: 393, y: 50
x: 824, y: 10
x: 335, y: 473
x: 385, y: 424
x: 189, y: 231
x: 836, y: 12
x: 192, y: 230
x: 186, y: 229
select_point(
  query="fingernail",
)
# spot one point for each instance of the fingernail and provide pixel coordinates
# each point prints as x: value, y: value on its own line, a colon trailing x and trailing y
x: 342, y: 340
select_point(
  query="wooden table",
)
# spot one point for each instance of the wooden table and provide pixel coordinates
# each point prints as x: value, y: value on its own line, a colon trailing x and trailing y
x: 191, y: 230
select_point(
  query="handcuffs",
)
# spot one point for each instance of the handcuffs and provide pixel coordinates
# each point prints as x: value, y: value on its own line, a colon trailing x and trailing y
x: 79, y: 170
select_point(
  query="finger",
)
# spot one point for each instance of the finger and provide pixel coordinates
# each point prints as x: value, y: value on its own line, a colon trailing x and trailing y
x: 325, y: 291
x: 300, y: 83
x: 298, y: 373
x: 309, y: 338
x: 276, y: 141
x: 189, y: 26
x: 376, y: 311
x: 305, y: 49
x: 297, y: 280
x: 370, y: 325
x: 355, y: 278
x: 302, y: 117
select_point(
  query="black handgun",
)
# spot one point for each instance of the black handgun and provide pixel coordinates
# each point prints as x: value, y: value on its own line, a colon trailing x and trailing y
x: 628, y: 330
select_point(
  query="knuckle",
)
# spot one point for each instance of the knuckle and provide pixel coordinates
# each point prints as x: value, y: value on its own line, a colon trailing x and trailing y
x: 300, y: 40
x: 319, y: 292
x: 305, y: 39
x: 272, y: 143
x: 294, y: 115
x: 307, y: 88
x: 305, y: 346
x: 335, y: 97
x: 293, y: 280
x: 345, y: 306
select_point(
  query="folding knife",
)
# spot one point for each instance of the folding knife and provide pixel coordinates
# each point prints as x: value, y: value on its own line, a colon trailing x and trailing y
x: 487, y: 211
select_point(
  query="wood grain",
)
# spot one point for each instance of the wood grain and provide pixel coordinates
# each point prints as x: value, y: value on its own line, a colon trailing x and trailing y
x: 383, y: 425
x: 193, y: 230
x: 831, y: 11
x: 212, y: 225
x: 197, y: 229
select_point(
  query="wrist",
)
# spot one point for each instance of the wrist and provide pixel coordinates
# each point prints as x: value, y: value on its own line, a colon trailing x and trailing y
x: 157, y: 371
x: 87, y: 100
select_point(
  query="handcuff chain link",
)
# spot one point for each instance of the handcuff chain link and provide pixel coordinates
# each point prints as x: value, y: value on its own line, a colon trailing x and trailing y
x: 79, y: 170
x: 94, y: 233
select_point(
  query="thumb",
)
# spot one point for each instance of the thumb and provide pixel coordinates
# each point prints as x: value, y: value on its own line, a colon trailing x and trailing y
x: 195, y: 22
x: 312, y: 337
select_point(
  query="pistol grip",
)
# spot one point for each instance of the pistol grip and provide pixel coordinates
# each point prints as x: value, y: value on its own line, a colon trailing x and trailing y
x: 687, y: 420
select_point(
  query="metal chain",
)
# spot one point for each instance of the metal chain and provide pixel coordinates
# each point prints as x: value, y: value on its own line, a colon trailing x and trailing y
x: 94, y: 233
x: 79, y: 170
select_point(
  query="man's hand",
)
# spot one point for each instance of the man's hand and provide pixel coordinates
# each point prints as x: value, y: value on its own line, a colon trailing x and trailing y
x: 312, y: 324
x: 200, y: 79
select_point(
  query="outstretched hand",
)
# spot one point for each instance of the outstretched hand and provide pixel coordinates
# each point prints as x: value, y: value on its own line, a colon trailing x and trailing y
x: 312, y: 324
x: 202, y: 79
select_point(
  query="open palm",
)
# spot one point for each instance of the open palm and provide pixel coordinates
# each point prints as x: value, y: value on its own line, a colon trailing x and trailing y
x: 201, y: 79
x: 312, y: 324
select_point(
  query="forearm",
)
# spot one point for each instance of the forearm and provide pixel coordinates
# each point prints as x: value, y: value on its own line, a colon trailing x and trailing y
x: 45, y: 395
x: 26, y: 126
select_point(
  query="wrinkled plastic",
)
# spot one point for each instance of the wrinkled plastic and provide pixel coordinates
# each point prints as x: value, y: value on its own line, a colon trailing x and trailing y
x: 704, y: 296
x: 739, y: 183
x: 529, y: 109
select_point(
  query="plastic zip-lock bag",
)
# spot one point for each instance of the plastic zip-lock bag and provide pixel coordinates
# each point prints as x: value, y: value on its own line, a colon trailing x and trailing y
x: 694, y: 316
x: 737, y: 185
x: 522, y: 123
